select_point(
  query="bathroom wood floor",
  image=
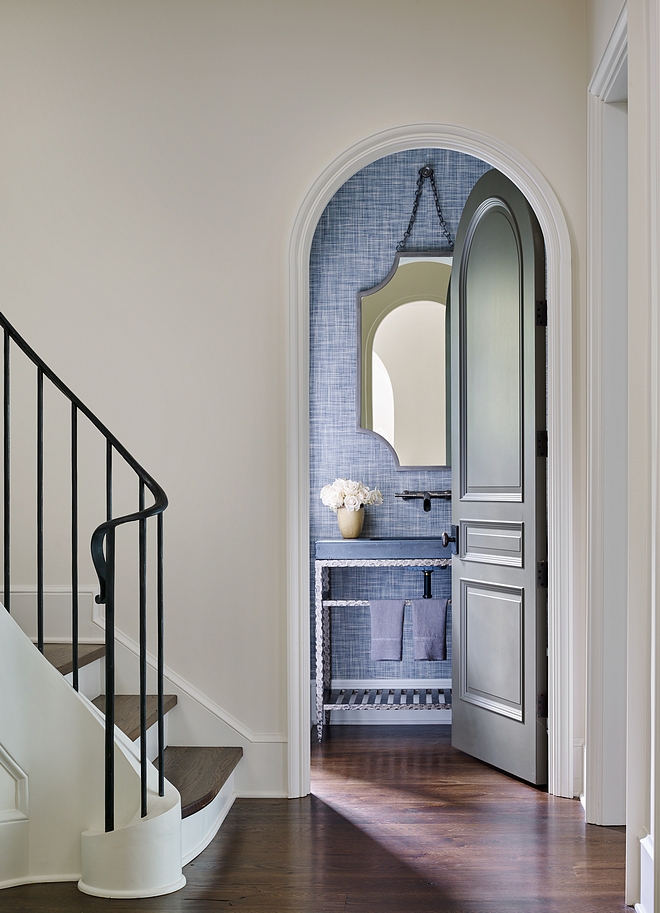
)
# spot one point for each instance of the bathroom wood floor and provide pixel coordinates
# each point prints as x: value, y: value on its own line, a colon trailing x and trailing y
x: 399, y: 822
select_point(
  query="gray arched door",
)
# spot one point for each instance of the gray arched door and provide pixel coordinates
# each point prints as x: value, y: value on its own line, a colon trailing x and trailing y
x: 499, y: 447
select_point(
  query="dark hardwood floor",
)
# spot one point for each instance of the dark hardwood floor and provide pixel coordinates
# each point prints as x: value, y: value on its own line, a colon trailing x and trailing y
x: 399, y: 822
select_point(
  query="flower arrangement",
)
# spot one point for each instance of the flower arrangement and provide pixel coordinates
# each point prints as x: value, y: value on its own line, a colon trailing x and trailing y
x: 349, y: 494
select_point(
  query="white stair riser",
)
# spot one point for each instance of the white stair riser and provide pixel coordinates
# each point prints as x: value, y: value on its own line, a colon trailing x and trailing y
x: 199, y: 829
x: 90, y: 679
x: 152, y: 739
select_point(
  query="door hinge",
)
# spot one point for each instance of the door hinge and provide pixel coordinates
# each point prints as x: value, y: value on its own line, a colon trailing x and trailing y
x: 542, y: 706
x: 542, y: 574
x: 541, y: 313
x: 541, y: 443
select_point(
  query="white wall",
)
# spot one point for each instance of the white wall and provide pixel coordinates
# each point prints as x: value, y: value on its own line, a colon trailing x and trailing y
x: 155, y: 153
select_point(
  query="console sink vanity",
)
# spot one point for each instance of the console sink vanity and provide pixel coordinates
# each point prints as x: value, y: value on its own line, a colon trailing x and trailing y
x: 428, y: 554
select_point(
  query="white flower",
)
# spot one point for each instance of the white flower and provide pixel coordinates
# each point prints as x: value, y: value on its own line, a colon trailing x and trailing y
x: 374, y: 497
x: 349, y: 494
x: 352, y: 502
x: 331, y: 497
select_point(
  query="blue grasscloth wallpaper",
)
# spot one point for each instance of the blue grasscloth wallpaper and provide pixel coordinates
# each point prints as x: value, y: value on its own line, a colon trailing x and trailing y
x: 353, y: 250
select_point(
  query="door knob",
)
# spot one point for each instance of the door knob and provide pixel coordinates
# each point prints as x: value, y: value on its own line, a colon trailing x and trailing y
x: 446, y: 539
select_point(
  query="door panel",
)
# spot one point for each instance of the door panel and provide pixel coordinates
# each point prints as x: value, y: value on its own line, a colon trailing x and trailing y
x: 492, y: 543
x: 490, y: 366
x: 492, y: 659
x: 498, y: 487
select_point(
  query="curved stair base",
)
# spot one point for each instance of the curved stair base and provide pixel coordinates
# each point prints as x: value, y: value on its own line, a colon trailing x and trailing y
x: 142, y: 859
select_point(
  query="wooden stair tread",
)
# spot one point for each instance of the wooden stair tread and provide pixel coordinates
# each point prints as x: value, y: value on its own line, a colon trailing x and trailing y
x: 127, y: 711
x: 199, y: 773
x: 61, y: 655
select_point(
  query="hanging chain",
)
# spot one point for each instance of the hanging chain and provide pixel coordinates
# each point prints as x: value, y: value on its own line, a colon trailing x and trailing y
x: 424, y: 173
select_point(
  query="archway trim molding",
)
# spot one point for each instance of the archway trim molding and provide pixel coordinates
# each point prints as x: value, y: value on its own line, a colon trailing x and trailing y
x: 561, y: 519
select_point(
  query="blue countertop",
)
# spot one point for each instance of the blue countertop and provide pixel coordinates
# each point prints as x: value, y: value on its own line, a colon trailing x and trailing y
x: 381, y: 549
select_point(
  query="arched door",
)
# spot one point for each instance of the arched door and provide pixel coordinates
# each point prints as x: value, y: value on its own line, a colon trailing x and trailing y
x: 499, y: 582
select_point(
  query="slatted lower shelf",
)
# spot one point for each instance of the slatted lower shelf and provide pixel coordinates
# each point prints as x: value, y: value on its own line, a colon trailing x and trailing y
x: 388, y: 699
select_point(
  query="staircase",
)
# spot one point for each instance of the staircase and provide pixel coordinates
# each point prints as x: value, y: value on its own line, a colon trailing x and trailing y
x: 203, y: 776
x: 89, y: 788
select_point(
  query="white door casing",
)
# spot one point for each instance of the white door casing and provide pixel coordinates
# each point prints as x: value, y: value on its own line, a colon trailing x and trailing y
x: 561, y: 519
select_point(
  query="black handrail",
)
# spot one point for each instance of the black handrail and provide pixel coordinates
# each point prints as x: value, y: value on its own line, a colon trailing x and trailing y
x: 103, y: 557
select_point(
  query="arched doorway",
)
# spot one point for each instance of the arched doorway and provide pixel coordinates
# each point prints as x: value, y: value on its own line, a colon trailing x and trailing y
x: 560, y: 512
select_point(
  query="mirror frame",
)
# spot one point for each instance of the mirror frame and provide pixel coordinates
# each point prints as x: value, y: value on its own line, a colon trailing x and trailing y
x: 399, y: 257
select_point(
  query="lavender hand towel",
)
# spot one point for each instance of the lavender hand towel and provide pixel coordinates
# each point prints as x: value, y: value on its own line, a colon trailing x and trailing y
x: 429, y: 617
x: 386, y: 629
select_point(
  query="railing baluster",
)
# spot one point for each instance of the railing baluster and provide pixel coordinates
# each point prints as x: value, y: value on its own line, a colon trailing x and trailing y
x: 108, y: 480
x: 110, y: 681
x: 160, y: 622
x: 40, y: 509
x: 143, y: 654
x: 74, y: 543
x: 6, y: 429
x: 109, y: 650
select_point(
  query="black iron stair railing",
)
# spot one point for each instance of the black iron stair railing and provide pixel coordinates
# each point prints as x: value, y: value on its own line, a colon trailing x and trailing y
x: 103, y: 552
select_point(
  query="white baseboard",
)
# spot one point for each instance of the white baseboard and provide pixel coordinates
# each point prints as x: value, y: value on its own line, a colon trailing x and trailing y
x: 39, y: 879
x: 645, y: 904
x: 578, y: 768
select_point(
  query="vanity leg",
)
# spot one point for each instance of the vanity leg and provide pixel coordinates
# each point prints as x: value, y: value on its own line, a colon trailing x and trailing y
x: 318, y: 594
x: 327, y: 647
x: 327, y: 659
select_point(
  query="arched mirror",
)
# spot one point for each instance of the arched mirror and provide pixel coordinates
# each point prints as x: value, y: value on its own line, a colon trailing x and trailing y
x: 403, y: 364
